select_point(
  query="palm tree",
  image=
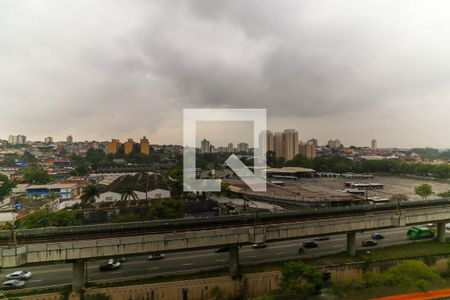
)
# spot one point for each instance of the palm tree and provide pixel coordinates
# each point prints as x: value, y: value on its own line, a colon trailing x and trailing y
x: 90, y: 192
x: 128, y: 194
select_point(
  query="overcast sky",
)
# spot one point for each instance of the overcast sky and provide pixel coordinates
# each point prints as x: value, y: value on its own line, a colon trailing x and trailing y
x: 353, y: 70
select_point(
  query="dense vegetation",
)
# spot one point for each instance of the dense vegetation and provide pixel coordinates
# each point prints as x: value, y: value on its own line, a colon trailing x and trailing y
x: 431, y: 153
x: 5, y: 185
x: 44, y: 218
x: 299, y: 279
x: 35, y: 175
x: 409, y: 275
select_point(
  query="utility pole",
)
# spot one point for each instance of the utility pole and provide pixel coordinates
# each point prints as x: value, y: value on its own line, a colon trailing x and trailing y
x: 13, y: 233
x: 398, y: 207
x: 146, y: 187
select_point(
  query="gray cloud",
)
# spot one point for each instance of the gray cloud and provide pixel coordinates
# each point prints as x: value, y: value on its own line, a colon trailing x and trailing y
x: 101, y: 69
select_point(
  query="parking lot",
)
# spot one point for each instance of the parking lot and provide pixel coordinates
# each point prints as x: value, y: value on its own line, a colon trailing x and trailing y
x: 392, y: 185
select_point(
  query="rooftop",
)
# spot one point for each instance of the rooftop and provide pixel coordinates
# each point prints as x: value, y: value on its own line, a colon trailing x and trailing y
x: 290, y: 170
x: 52, y: 186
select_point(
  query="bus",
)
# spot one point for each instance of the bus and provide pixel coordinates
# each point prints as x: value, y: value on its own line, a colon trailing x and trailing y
x: 419, y: 232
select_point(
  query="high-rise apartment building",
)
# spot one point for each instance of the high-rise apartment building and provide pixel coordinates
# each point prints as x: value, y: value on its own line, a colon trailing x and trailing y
x: 374, y: 145
x: 314, y: 142
x: 128, y: 146
x: 278, y: 144
x: 308, y: 150
x: 48, y: 140
x: 113, y: 147
x: 290, y: 143
x: 242, y: 147
x: 268, y: 136
x: 205, y: 146
x: 17, y: 139
x: 230, y: 148
x: 69, y: 139
x: 334, y: 144
x: 145, y: 146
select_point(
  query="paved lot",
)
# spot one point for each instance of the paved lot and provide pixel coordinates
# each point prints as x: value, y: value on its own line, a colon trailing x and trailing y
x: 392, y: 185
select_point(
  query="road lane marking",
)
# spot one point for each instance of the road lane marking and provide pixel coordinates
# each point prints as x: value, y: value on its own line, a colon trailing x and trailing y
x: 188, y: 264
x: 252, y: 256
x: 36, y: 280
x: 224, y: 259
x: 155, y: 268
x: 280, y: 253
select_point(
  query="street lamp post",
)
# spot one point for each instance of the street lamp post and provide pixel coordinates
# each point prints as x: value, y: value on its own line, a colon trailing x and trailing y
x: 146, y: 187
x: 257, y: 209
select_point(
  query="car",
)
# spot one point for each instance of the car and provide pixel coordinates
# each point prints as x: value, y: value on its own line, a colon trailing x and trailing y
x: 13, y: 284
x: 222, y: 249
x: 431, y: 225
x: 368, y: 243
x: 322, y: 238
x: 310, y: 245
x: 377, y: 236
x: 156, y: 256
x: 109, y: 265
x: 259, y: 245
x: 19, y: 275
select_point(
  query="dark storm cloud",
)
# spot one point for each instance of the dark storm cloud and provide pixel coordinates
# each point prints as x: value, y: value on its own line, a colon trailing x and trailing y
x: 101, y: 69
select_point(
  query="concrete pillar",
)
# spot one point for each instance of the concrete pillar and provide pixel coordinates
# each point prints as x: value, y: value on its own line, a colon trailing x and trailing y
x: 351, y: 243
x: 234, y: 261
x: 440, y: 233
x: 78, y: 275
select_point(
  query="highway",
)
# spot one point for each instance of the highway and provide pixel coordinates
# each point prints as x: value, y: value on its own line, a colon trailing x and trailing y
x: 139, y: 266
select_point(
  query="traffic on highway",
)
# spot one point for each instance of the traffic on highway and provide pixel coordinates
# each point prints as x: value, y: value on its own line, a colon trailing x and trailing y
x: 158, y: 264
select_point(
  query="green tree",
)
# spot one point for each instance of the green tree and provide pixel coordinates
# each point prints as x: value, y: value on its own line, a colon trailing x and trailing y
x: 44, y: 218
x: 412, y: 274
x: 300, y: 279
x: 95, y: 157
x: 424, y: 190
x: 29, y: 157
x: 166, y: 209
x: 89, y: 193
x: 444, y: 194
x: 5, y: 185
x: 36, y: 175
x: 398, y: 198
x: 176, y: 182
x: 81, y: 170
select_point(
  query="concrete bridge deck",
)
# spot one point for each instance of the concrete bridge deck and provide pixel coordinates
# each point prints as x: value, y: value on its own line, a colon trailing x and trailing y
x: 82, y: 250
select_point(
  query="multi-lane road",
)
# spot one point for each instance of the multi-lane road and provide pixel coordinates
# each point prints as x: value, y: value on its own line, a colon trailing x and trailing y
x: 139, y: 266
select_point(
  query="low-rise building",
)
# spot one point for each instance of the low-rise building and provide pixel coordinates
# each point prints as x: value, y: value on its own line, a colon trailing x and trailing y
x: 152, y: 194
x: 63, y: 191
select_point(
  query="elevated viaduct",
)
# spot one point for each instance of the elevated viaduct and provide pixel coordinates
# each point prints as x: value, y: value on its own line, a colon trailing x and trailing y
x: 79, y: 251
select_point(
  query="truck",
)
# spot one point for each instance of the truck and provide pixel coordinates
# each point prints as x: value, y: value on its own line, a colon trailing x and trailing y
x: 419, y: 232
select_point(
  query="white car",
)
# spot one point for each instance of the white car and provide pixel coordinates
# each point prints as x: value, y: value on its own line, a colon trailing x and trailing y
x: 13, y: 284
x: 19, y: 275
x: 110, y: 265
